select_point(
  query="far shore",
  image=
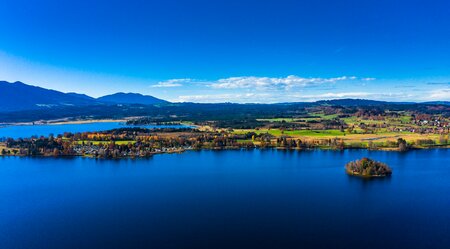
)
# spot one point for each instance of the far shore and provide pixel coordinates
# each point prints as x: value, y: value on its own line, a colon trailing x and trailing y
x: 81, y: 121
x: 64, y: 122
x: 88, y: 121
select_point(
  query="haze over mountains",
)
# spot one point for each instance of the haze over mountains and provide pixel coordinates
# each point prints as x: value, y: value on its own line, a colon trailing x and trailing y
x: 19, y: 96
x: 20, y: 102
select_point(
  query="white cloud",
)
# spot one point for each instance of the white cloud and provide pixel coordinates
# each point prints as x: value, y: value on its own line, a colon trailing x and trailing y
x: 172, y: 83
x: 291, y: 81
x: 221, y: 98
x: 439, y: 95
x: 337, y: 95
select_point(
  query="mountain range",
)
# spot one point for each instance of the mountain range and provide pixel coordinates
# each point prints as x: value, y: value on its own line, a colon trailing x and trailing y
x: 19, y: 96
x: 20, y: 102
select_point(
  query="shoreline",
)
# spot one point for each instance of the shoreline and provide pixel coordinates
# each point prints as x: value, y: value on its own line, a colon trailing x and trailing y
x: 180, y: 151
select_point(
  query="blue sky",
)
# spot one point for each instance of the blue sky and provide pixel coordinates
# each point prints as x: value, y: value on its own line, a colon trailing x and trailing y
x: 238, y: 51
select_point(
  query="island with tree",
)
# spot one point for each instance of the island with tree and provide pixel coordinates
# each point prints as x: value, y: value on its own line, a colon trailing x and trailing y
x: 367, y: 167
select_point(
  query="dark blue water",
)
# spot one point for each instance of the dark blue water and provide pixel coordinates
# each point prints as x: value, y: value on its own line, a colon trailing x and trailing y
x: 25, y: 131
x: 229, y: 199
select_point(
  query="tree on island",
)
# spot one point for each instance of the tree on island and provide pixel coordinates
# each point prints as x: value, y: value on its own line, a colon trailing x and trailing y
x: 367, y: 167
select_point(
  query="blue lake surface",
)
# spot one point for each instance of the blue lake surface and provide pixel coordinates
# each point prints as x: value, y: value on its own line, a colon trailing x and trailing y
x: 25, y: 131
x: 226, y: 199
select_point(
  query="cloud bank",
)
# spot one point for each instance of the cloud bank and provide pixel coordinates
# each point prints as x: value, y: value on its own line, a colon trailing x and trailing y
x: 261, y: 83
x: 291, y: 97
x: 253, y: 89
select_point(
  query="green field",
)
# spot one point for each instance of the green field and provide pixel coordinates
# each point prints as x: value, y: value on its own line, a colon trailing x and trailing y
x: 278, y: 132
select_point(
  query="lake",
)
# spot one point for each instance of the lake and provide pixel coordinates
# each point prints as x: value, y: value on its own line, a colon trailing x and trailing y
x: 226, y: 199
x: 25, y: 131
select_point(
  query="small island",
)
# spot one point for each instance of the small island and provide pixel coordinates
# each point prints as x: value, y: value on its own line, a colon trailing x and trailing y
x: 367, y: 167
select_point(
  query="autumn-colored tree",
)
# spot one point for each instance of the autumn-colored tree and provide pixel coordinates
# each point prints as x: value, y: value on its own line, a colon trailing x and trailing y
x: 402, y: 145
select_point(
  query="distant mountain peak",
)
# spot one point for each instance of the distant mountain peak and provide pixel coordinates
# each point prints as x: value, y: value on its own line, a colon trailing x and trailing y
x: 18, y: 96
x: 352, y: 102
x: 131, y: 98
